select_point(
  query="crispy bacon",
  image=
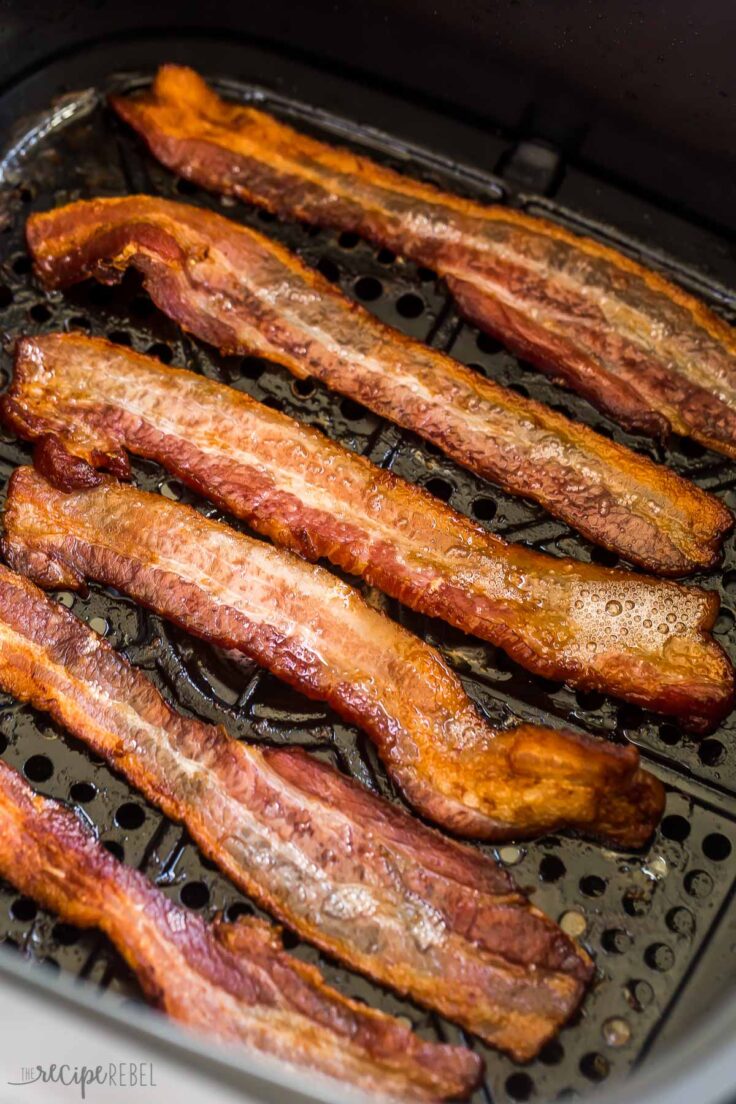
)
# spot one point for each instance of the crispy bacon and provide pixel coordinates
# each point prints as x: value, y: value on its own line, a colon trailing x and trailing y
x: 363, y: 880
x: 316, y: 633
x: 233, y: 981
x: 650, y: 638
x: 639, y: 348
x: 243, y: 293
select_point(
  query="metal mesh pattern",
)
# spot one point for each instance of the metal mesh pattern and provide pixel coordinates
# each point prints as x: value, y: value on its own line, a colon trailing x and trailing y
x: 645, y: 918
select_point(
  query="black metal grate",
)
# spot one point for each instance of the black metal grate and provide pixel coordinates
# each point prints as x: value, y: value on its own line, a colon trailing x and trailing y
x: 646, y: 919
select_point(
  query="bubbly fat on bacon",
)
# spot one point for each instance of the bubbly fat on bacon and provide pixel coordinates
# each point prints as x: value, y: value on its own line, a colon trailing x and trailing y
x: 653, y: 357
x: 363, y: 880
x: 233, y: 981
x: 642, y: 639
x: 317, y: 633
x: 244, y: 293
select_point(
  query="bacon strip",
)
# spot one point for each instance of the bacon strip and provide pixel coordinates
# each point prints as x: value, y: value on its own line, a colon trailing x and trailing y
x: 243, y: 293
x: 233, y: 981
x: 650, y: 639
x: 639, y: 348
x: 363, y: 880
x: 317, y: 634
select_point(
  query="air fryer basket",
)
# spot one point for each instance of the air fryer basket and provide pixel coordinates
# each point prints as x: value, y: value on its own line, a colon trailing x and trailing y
x: 656, y: 923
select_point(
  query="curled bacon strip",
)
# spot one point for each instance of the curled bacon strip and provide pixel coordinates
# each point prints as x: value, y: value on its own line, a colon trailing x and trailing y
x: 244, y: 293
x: 636, y: 346
x: 357, y: 876
x: 233, y: 981
x: 316, y: 633
x: 643, y: 639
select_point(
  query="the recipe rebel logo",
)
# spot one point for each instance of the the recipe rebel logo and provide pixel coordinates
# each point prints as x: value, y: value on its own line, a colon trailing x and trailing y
x: 119, y: 1075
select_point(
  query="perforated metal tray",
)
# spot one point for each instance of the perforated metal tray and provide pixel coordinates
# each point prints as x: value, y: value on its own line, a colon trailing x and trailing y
x: 648, y: 919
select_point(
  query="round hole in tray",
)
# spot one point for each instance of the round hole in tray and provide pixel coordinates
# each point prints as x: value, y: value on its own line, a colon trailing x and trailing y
x: 635, y: 902
x: 194, y: 895
x: 130, y: 816
x: 304, y: 387
x: 38, y: 768
x: 348, y: 240
x: 161, y: 351
x: 711, y: 753
x: 519, y: 1086
x: 237, y: 910
x: 675, y: 827
x: 120, y: 337
x: 368, y: 288
x: 681, y: 921
x: 616, y: 941
x: 699, y: 884
x: 551, y: 868
x: 82, y: 792
x: 716, y: 847
x: 385, y: 257
x: 592, y: 886
x: 116, y: 849
x: 658, y: 956
x: 352, y: 410
x: 488, y: 344
x: 39, y: 312
x: 552, y: 1053
x: 440, y: 488
x: 65, y: 934
x: 484, y: 508
x: 594, y: 1066
x: 639, y: 994
x: 24, y: 909
x: 409, y: 305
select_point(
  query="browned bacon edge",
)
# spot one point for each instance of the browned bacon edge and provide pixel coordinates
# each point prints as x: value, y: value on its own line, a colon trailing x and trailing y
x: 246, y: 294
x: 233, y: 981
x: 645, y: 640
x: 431, y: 918
x: 653, y: 357
x: 316, y: 633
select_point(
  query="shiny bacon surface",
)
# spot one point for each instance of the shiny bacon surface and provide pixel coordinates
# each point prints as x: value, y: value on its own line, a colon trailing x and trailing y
x: 243, y: 293
x: 364, y: 881
x: 234, y: 981
x: 316, y: 633
x: 639, y: 348
x: 642, y: 639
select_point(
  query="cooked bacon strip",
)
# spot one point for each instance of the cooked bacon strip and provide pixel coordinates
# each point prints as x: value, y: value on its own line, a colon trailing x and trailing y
x: 363, y: 880
x: 639, y: 348
x: 316, y: 633
x: 244, y: 293
x: 651, y: 642
x: 233, y: 981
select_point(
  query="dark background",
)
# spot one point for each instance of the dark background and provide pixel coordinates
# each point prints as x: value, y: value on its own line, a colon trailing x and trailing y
x: 641, y: 92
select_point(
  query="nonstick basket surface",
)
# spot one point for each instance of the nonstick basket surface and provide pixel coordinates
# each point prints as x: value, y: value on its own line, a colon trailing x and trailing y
x: 656, y: 923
